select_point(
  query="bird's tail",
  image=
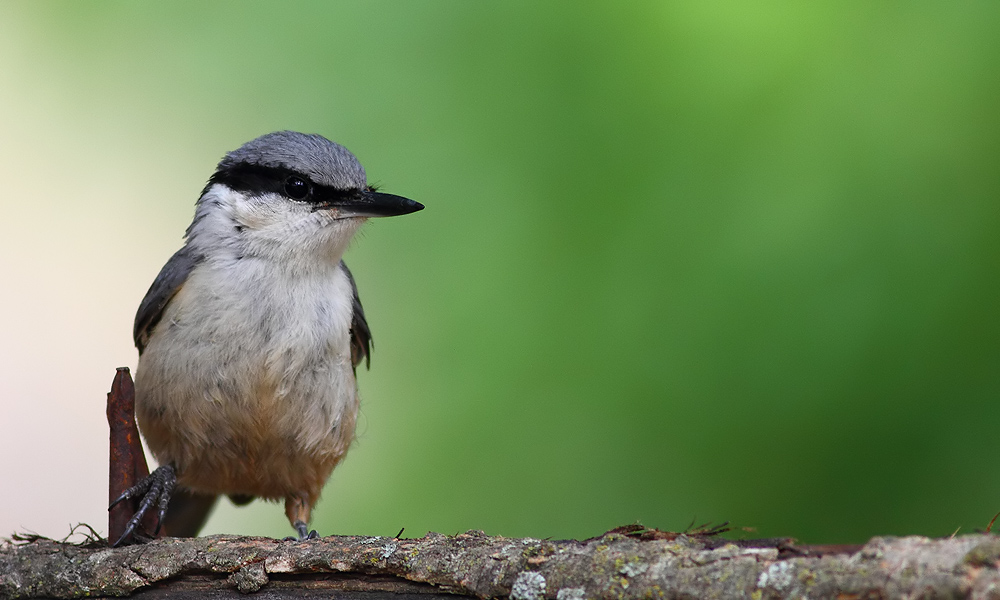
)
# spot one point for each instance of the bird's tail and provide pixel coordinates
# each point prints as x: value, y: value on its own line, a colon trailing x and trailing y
x: 187, y: 513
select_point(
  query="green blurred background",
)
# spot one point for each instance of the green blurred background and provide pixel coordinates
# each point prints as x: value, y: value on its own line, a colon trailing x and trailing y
x: 702, y: 262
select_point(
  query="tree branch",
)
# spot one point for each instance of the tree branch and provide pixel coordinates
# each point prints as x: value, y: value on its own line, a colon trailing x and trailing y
x: 616, y: 565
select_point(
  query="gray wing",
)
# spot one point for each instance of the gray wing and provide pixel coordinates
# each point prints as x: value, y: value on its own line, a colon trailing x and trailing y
x: 361, y: 335
x: 167, y: 283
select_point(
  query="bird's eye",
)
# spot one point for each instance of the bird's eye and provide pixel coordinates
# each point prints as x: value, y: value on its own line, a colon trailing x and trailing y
x: 296, y: 188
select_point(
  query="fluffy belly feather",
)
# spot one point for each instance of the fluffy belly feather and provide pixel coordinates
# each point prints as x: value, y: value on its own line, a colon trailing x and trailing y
x: 245, y: 397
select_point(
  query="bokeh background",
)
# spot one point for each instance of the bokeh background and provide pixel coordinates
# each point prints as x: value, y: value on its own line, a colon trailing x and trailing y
x: 680, y: 262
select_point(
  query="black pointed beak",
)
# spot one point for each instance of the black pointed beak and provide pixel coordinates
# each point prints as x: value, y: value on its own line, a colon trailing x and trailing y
x: 376, y: 204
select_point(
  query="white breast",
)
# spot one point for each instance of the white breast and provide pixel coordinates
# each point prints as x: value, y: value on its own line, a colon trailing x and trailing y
x: 250, y: 365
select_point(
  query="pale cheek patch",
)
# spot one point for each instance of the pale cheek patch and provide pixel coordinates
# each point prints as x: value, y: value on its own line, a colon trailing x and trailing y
x: 258, y: 214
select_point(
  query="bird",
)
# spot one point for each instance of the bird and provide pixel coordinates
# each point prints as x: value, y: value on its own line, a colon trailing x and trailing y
x: 250, y: 336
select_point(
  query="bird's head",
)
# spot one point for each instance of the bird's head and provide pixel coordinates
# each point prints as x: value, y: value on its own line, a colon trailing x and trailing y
x: 288, y: 193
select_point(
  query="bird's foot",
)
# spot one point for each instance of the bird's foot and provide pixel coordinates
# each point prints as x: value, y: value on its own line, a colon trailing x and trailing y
x: 156, y: 489
x: 304, y: 533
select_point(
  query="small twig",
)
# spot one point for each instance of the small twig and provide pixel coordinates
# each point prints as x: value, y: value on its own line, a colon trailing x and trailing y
x: 91, y: 537
x: 27, y: 537
x: 992, y: 521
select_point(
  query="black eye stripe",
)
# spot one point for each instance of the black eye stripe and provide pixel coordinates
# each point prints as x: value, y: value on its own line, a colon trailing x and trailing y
x: 258, y: 180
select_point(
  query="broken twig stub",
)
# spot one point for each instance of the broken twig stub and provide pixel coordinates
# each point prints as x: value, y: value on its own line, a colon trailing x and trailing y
x: 127, y: 464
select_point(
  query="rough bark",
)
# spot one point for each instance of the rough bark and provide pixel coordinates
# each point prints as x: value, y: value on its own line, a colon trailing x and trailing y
x: 616, y: 565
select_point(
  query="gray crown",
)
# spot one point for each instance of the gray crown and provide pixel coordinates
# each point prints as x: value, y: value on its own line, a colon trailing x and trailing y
x: 322, y: 161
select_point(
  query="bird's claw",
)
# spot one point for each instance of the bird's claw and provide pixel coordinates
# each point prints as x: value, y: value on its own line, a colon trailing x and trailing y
x: 304, y: 533
x: 155, y: 488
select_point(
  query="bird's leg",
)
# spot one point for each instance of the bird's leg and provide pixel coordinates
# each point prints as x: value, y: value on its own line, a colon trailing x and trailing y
x: 153, y: 489
x: 298, y: 510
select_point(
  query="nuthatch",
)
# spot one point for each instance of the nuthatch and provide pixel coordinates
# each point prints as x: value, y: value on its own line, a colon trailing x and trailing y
x: 250, y: 335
